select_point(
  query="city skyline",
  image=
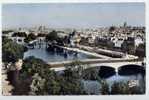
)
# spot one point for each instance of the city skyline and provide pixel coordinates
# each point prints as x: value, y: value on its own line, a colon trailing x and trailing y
x: 72, y: 15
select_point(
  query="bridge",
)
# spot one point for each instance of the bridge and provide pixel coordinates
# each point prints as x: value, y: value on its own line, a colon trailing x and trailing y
x: 115, y: 63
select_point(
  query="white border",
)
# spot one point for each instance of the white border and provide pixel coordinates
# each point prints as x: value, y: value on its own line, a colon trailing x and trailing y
x: 100, y: 97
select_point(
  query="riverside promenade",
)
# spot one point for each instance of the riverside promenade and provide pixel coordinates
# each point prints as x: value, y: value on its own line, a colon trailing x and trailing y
x: 85, y: 52
x: 105, y: 51
x: 101, y: 61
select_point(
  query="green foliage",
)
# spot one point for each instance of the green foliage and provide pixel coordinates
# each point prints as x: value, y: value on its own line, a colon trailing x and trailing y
x: 72, y: 78
x: 6, y: 31
x: 128, y: 46
x: 52, y: 36
x: 11, y: 50
x: 30, y: 37
x: 140, y: 50
x: 119, y: 88
x: 33, y: 65
x: 43, y: 80
x: 91, y: 74
x: 53, y: 87
x: 104, y: 87
x: 75, y: 69
x: 37, y: 85
x: 20, y: 34
x: 47, y: 82
x: 110, y: 45
x: 123, y: 88
x: 112, y: 28
x: 72, y: 87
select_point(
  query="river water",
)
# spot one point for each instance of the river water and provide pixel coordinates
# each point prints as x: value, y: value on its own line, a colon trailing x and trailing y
x: 90, y: 86
x: 54, y: 56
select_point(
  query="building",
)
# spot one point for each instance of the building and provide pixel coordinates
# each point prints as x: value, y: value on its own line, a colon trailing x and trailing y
x: 118, y: 43
x: 19, y: 37
x: 138, y: 40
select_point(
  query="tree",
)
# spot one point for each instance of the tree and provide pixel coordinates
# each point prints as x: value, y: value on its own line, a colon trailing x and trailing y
x: 20, y: 34
x: 112, y: 28
x: 6, y: 31
x: 110, y: 45
x: 104, y: 87
x: 128, y: 46
x: 73, y: 76
x: 43, y: 81
x: 140, y: 50
x: 91, y: 74
x: 76, y: 68
x: 123, y: 88
x: 37, y: 85
x: 52, y: 36
x: 11, y: 51
x: 30, y: 37
x: 66, y: 40
x: 119, y: 88
x: 60, y: 41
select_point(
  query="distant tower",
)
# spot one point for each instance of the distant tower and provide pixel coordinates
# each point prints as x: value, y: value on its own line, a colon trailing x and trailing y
x: 40, y: 28
x: 125, y: 24
x: 19, y: 29
x: 44, y: 28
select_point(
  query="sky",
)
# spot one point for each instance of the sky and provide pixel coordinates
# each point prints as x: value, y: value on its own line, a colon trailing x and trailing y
x: 72, y: 15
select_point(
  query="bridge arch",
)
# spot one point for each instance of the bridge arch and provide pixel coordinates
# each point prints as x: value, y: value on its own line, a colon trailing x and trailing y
x: 131, y: 69
x: 106, y: 71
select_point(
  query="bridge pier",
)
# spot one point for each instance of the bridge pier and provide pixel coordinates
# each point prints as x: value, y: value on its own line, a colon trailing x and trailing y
x: 116, y: 70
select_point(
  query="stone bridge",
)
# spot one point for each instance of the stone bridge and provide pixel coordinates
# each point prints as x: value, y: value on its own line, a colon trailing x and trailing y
x: 114, y: 63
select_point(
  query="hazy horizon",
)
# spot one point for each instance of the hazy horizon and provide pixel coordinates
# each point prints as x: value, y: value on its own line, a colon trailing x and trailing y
x: 72, y: 15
